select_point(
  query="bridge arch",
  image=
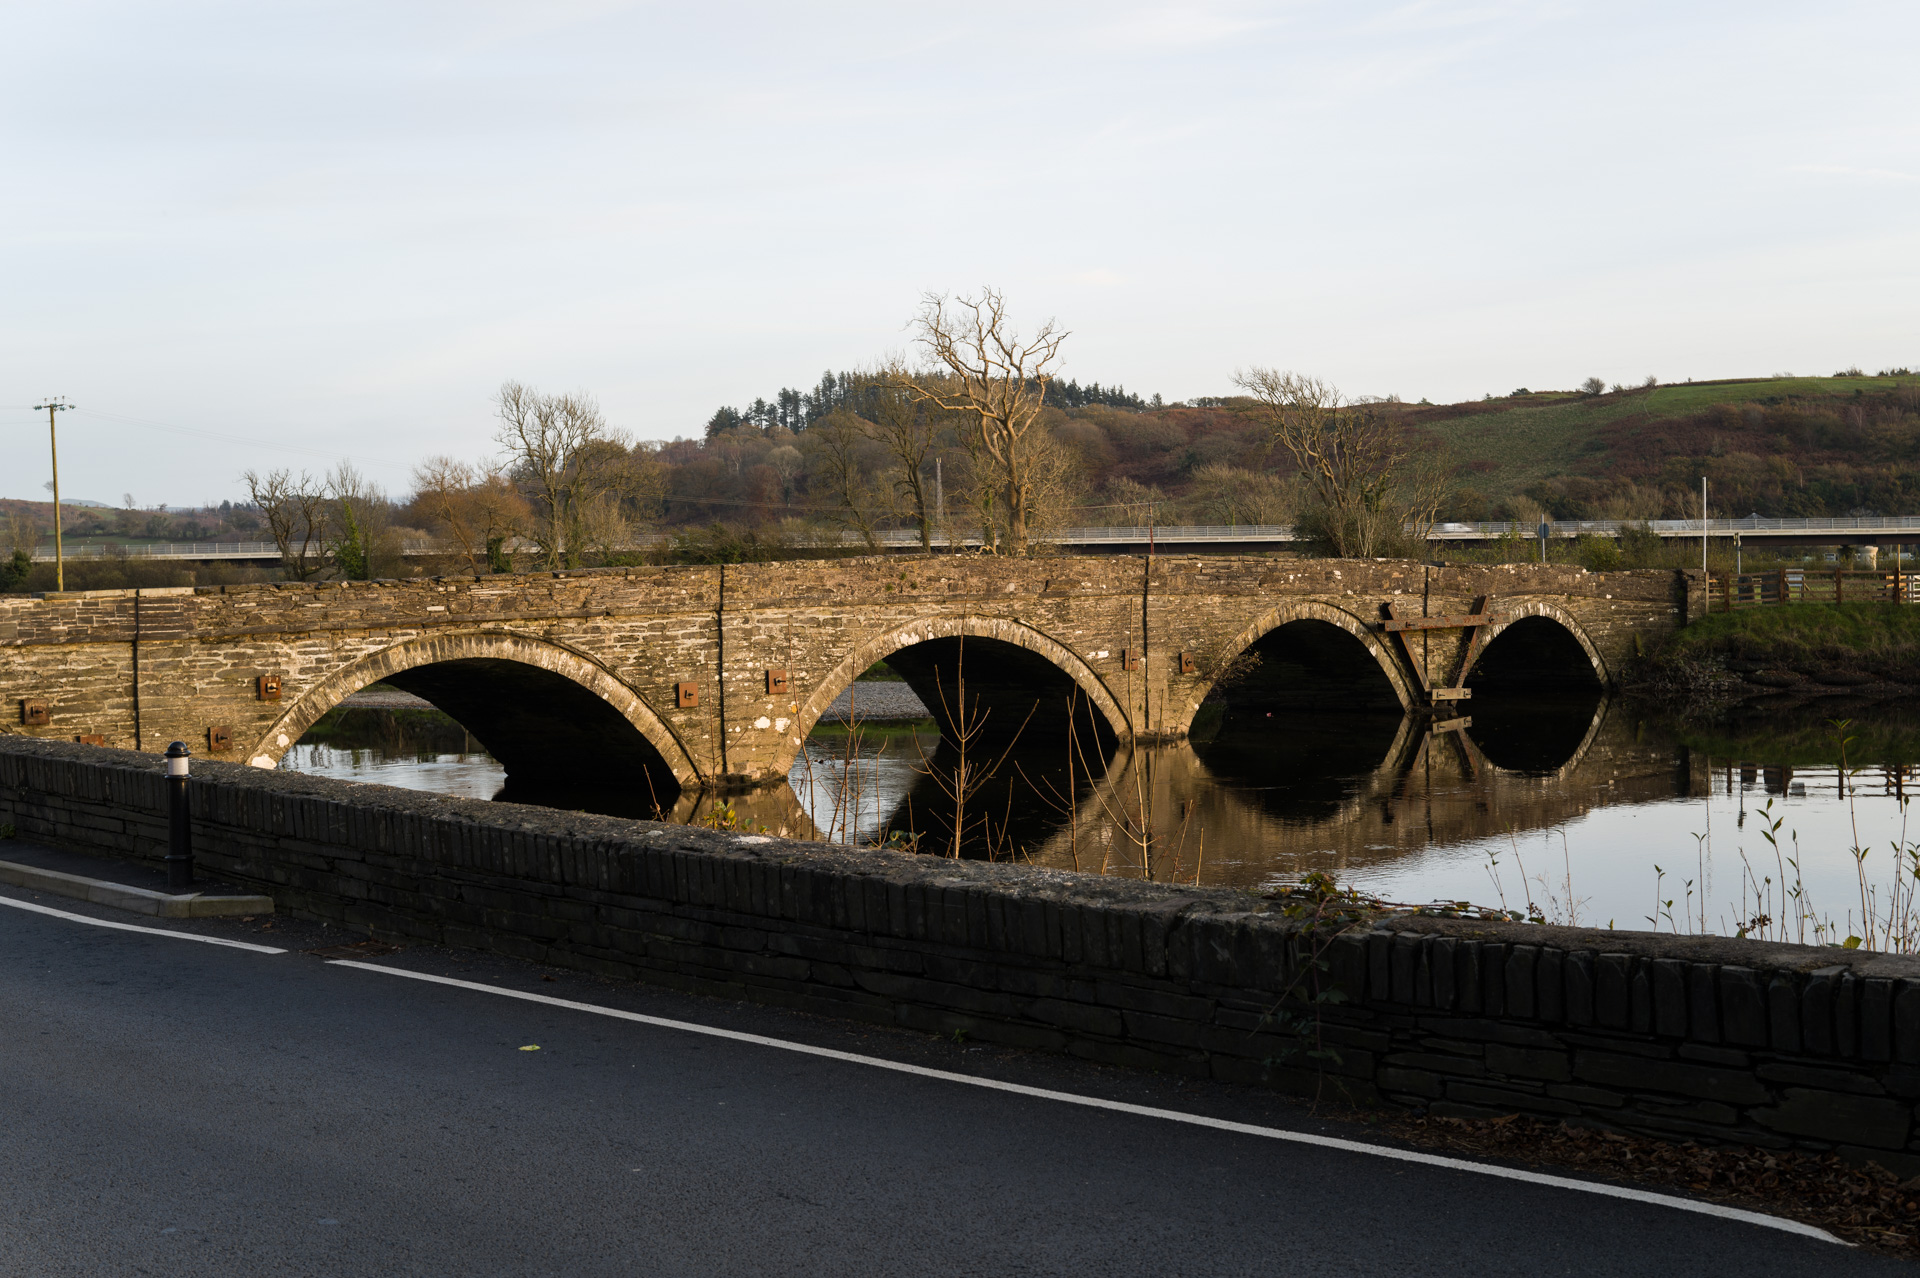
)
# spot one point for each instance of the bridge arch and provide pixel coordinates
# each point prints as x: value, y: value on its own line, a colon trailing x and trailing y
x: 1286, y: 613
x: 884, y: 644
x: 1520, y: 612
x: 568, y: 717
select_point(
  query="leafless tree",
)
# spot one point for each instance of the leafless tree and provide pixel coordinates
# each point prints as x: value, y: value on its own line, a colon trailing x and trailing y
x: 560, y: 449
x: 835, y: 446
x: 296, y: 515
x: 907, y: 426
x: 1366, y: 482
x: 998, y: 381
x: 1223, y: 494
x: 477, y: 508
x: 20, y: 532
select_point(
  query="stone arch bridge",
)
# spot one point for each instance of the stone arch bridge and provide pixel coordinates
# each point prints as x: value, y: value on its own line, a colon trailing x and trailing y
x: 710, y: 677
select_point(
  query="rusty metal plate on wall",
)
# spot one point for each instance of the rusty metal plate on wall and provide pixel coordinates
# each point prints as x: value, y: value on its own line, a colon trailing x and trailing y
x: 776, y: 682
x: 267, y: 687
x: 686, y: 696
x: 92, y: 738
x: 35, y: 713
x: 219, y: 739
x: 1188, y: 665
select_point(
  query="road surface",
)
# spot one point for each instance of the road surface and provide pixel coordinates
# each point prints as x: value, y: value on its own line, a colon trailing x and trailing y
x: 176, y: 1107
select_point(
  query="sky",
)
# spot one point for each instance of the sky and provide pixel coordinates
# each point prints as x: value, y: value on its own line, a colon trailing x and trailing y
x: 246, y: 235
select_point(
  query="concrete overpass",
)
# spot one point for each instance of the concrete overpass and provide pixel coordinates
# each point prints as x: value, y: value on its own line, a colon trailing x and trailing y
x: 1190, y: 538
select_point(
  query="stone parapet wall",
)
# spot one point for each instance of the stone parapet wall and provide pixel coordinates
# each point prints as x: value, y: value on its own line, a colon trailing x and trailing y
x: 1771, y: 1045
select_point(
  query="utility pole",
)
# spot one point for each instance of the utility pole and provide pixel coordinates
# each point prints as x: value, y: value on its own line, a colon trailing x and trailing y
x: 940, y: 504
x: 1703, y: 523
x: 56, y: 405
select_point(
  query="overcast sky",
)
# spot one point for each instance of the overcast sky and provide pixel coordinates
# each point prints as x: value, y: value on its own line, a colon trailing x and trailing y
x: 338, y: 228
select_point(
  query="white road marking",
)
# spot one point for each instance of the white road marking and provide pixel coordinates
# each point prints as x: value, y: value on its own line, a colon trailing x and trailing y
x: 130, y: 927
x: 1143, y: 1111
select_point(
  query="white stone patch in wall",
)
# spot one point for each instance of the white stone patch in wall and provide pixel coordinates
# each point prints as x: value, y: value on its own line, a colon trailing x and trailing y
x: 1102, y: 653
x: 261, y: 761
x: 282, y: 741
x: 764, y: 722
x: 780, y: 725
x: 753, y: 838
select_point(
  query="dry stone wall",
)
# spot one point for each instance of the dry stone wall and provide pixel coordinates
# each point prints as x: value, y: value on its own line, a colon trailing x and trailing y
x: 1771, y: 1045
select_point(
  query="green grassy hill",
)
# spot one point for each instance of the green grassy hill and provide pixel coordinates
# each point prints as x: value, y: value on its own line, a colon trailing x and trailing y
x: 1777, y: 446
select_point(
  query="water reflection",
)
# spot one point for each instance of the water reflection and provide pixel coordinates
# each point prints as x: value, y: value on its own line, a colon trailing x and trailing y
x: 1585, y: 807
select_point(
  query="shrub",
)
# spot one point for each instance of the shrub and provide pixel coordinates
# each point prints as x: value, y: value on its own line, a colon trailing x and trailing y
x: 1593, y: 386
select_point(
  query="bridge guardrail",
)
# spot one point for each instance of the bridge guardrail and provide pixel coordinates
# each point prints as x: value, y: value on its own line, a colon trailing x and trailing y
x: 1863, y: 529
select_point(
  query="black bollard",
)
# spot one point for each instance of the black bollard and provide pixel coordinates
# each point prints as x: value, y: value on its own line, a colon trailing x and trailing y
x: 179, y: 821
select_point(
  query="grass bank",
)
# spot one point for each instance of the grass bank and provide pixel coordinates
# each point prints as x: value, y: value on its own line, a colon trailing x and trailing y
x: 1878, y: 639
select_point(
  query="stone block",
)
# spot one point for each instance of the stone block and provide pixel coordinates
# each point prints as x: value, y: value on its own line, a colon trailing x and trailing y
x: 1507, y: 1100
x: 1078, y: 1017
x: 1519, y: 991
x: 1380, y: 947
x: 1841, y: 1117
x: 1743, y: 1007
x: 1612, y: 990
x: 1731, y: 1057
x: 1402, y: 958
x: 1906, y: 1023
x: 1466, y: 981
x: 1412, y: 1081
x: 1668, y: 978
x: 1638, y: 1074
x: 1783, y: 1014
x: 1876, y: 1019
x: 1816, y: 1011
x: 1578, y: 969
x: 1435, y: 1063
x: 1550, y: 986
x: 1832, y: 1080
x: 1523, y: 1062
x: 1445, y: 971
x: 1493, y: 979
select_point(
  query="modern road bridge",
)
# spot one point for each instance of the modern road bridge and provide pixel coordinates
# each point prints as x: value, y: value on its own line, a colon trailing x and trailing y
x: 1208, y: 538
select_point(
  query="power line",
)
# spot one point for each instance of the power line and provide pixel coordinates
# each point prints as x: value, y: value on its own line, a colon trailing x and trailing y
x: 204, y: 433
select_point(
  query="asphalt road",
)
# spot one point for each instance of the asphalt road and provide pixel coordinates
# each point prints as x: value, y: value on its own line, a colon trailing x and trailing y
x: 168, y: 1107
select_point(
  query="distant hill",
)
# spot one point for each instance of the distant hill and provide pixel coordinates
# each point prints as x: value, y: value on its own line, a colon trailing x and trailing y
x: 1781, y: 447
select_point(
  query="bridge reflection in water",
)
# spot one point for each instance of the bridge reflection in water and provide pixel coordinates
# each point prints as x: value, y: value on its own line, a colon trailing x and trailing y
x: 1268, y: 796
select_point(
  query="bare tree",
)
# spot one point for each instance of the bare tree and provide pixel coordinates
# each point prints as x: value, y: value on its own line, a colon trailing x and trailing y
x: 20, y: 532
x: 561, y: 451
x: 477, y: 508
x: 835, y: 446
x: 906, y: 426
x: 296, y: 515
x: 358, y: 521
x: 1364, y: 481
x: 998, y: 381
x: 1223, y: 494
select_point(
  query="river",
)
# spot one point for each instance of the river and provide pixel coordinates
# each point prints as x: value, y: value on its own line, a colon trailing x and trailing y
x: 1587, y: 810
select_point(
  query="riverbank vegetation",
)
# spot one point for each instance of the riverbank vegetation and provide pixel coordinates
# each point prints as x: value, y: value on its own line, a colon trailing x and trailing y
x: 1794, y: 652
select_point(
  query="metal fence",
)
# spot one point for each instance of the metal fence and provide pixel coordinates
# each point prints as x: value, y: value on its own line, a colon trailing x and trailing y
x: 1842, y: 531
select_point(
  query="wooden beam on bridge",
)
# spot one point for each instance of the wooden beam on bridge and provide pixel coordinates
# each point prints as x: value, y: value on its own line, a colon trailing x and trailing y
x: 1473, y: 623
x: 1463, y: 621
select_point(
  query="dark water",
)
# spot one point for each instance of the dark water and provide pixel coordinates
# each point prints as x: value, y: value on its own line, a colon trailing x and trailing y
x: 1591, y: 810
